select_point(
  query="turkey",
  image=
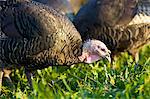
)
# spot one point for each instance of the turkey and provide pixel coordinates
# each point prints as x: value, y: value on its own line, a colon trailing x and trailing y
x: 37, y: 36
x: 91, y: 22
x: 63, y: 6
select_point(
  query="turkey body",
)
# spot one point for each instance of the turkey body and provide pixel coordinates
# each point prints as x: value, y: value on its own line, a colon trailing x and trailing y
x: 34, y: 33
x: 33, y: 39
x: 108, y: 24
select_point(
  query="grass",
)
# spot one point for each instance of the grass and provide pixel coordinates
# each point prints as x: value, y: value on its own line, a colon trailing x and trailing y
x: 124, y: 79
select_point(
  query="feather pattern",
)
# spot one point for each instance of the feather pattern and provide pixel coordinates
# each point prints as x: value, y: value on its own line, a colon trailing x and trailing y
x: 117, y: 40
x: 91, y: 21
x: 36, y: 38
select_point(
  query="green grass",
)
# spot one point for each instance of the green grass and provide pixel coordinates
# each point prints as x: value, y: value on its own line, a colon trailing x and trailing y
x: 123, y: 79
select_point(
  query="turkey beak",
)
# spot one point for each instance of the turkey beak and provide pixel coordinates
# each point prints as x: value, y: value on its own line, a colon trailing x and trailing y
x: 107, y: 56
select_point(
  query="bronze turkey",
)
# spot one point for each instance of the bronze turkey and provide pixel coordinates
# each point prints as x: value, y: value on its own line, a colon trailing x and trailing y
x: 123, y: 25
x: 37, y: 36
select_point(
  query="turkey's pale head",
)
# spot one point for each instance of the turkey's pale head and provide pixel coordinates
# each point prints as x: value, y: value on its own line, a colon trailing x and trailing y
x: 94, y: 50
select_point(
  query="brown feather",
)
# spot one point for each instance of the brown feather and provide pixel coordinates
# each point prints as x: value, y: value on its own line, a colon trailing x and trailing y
x: 38, y: 39
x: 91, y: 21
x: 110, y: 12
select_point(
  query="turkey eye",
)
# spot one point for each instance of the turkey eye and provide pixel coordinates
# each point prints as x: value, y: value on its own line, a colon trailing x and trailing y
x: 98, y: 47
x: 103, y: 49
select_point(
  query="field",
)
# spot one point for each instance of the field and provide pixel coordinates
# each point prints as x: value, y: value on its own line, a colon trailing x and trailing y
x: 123, y: 79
